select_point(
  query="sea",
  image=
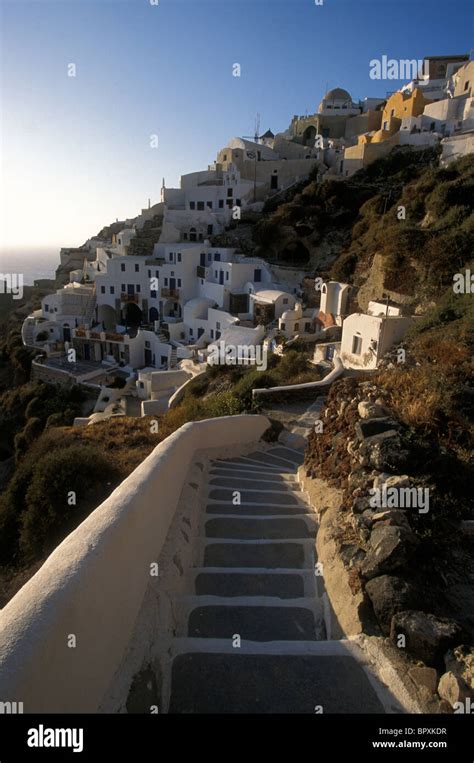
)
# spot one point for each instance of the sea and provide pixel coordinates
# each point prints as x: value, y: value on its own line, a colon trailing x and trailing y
x: 40, y: 262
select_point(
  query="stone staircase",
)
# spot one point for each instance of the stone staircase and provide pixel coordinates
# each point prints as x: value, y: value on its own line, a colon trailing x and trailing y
x: 253, y: 637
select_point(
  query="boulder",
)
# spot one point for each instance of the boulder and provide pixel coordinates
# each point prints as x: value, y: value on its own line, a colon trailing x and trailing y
x: 385, y: 452
x: 389, y: 549
x: 427, y: 637
x: 453, y: 689
x: 370, y: 427
x: 460, y: 661
x: 425, y: 677
x: 395, y: 517
x: 368, y: 410
x: 391, y: 480
x: 389, y: 595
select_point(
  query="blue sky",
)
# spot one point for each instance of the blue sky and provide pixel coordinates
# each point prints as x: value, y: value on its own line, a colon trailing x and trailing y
x: 76, y: 151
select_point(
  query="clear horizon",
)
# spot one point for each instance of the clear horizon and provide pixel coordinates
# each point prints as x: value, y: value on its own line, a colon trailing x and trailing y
x: 76, y: 151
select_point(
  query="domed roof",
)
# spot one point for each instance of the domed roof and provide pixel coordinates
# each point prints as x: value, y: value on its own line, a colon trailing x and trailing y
x: 337, y: 94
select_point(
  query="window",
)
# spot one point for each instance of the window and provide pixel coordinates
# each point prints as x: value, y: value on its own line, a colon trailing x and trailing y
x: 466, y: 86
x: 123, y: 287
x: 46, y: 308
x: 221, y: 203
x: 257, y: 275
x: 210, y: 228
x: 156, y: 274
x: 137, y: 288
x: 238, y: 203
x: 147, y: 345
x: 192, y: 205
x: 217, y: 256
x: 215, y: 274
x: 209, y: 257
x: 137, y: 268
x: 227, y: 275
x: 179, y: 282
x: 224, y: 158
x: 185, y: 236
x: 153, y: 293
x: 122, y: 267
x: 200, y: 205
x: 297, y: 326
x: 102, y: 289
x: 385, y: 126
x: 356, y: 345
x: 212, y: 333
x: 282, y: 326
x: 170, y: 257
x: 179, y: 256
x: 166, y: 282
x: 285, y: 300
x: 209, y: 204
x: 230, y: 192
x: 149, y: 274
x: 112, y: 289
x: 218, y: 325
x: 218, y: 333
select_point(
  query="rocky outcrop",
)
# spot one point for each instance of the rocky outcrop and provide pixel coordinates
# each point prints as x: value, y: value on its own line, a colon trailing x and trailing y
x: 426, y: 637
x: 390, y: 594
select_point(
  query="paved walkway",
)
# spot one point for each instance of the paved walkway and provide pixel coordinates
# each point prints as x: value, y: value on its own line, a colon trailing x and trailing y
x: 256, y: 635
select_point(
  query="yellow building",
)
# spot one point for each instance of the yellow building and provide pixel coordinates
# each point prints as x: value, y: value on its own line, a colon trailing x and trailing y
x: 399, y: 106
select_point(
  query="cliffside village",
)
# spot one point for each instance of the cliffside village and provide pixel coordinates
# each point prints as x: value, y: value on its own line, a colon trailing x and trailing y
x: 153, y: 320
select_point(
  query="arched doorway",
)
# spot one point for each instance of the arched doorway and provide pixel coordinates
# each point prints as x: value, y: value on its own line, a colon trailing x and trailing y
x: 309, y: 136
x: 192, y: 234
x: 153, y: 314
x: 66, y: 332
x: 132, y: 316
x: 107, y: 317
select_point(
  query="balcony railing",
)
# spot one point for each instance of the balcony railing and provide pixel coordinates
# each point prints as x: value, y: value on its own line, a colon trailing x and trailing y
x: 170, y: 293
x: 125, y: 297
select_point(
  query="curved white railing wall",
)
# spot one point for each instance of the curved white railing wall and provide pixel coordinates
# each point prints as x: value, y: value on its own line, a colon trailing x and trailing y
x: 92, y: 585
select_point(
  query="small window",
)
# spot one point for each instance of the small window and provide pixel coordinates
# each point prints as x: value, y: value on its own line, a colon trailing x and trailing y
x: 238, y: 203
x: 224, y: 159
x: 137, y: 288
x: 156, y: 274
x: 210, y: 228
x: 356, y: 345
x: 221, y: 203
x: 227, y: 275
x: 102, y: 289
x: 122, y: 267
x: 153, y: 293
x: 123, y: 287
x: 297, y: 326
x: 218, y: 325
x: 179, y: 282
x: 46, y: 308
x: 112, y: 289
x: 166, y: 282
x: 466, y: 86
x: 185, y: 236
x: 230, y: 192
x: 200, y: 205
x: 285, y: 300
x: 191, y: 332
x: 149, y: 274
x: 282, y: 326
x: 209, y: 257
x: 209, y: 204
x: 170, y: 257
x: 192, y: 205
x: 137, y: 268
x: 212, y: 333
x: 179, y: 256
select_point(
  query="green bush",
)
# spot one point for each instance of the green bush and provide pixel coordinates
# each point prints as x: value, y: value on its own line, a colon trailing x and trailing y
x: 48, y: 516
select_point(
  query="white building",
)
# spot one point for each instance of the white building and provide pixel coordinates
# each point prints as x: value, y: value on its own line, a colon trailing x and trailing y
x: 366, y: 338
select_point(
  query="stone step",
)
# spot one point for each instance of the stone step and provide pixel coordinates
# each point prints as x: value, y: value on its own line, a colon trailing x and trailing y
x: 268, y: 497
x: 288, y: 454
x: 247, y: 463
x: 290, y: 479
x: 254, y: 529
x: 225, y: 583
x: 271, y: 554
x: 269, y: 458
x: 253, y: 509
x: 238, y: 482
x: 253, y: 623
x: 270, y: 683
